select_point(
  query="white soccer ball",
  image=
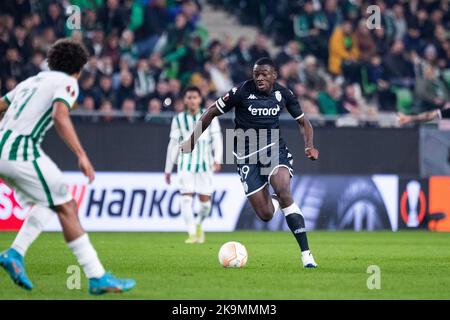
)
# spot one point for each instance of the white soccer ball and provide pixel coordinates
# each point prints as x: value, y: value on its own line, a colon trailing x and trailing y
x: 233, y: 255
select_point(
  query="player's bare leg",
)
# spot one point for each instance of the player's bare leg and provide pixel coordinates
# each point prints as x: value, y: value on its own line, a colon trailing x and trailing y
x: 205, y: 209
x: 187, y: 212
x: 262, y: 204
x: 280, y: 181
x: 70, y: 223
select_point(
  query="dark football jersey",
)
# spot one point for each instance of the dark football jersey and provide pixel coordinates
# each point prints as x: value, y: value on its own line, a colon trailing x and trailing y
x: 260, y: 112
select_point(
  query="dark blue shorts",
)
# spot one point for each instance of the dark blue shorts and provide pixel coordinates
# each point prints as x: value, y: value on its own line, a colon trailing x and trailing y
x: 255, y: 174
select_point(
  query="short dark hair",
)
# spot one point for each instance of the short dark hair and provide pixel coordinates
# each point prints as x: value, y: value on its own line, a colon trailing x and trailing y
x: 265, y: 61
x: 67, y: 56
x: 192, y: 89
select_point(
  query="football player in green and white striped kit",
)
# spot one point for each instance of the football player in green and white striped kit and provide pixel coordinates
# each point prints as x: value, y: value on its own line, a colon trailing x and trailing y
x: 195, y: 170
x: 26, y: 114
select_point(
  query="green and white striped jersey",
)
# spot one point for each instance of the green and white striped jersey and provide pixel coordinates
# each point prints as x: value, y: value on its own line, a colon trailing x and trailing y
x: 29, y: 115
x: 207, y: 150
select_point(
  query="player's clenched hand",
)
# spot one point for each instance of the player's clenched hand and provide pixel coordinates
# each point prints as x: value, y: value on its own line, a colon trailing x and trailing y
x: 312, y: 153
x: 404, y: 119
x: 86, y: 167
x: 186, y: 146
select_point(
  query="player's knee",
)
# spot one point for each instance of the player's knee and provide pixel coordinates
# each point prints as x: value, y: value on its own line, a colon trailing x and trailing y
x: 265, y: 215
x: 68, y: 210
x: 285, y: 198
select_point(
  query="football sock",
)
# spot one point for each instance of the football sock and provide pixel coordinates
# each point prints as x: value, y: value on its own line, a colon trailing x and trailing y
x: 32, y: 228
x: 296, y: 223
x: 205, y: 208
x: 87, y: 257
x: 188, y: 213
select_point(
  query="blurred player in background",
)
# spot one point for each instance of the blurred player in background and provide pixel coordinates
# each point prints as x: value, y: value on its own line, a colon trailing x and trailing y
x: 258, y: 104
x: 195, y: 170
x: 28, y: 112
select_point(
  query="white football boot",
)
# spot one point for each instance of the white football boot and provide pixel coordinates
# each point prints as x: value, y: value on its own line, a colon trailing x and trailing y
x: 308, y: 260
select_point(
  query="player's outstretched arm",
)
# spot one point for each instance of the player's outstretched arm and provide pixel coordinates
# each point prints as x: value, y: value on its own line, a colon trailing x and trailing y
x: 308, y: 134
x: 203, y: 123
x: 66, y: 130
x: 421, y: 117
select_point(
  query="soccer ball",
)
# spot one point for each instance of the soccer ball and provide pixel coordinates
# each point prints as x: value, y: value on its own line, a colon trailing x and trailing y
x: 233, y: 255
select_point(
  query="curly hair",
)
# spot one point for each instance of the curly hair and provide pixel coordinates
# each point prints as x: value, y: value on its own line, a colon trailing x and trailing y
x: 67, y: 56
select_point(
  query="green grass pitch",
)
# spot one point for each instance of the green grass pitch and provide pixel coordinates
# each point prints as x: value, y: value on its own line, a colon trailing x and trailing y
x: 413, y: 264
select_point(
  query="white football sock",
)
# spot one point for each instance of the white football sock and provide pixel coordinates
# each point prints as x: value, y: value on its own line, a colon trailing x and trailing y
x: 188, y: 214
x: 32, y: 228
x: 87, y: 257
x: 293, y: 208
x: 205, y: 208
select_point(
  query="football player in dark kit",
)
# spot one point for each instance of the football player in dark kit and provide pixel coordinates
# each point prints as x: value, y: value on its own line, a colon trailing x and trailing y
x: 262, y: 156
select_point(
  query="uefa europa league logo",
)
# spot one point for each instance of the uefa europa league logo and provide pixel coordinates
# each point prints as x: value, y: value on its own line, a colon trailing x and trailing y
x: 413, y: 191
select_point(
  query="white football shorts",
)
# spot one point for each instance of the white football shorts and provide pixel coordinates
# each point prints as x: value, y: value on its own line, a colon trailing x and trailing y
x: 36, y: 182
x: 192, y: 182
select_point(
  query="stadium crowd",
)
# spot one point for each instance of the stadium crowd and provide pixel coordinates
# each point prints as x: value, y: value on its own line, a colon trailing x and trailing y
x: 144, y: 52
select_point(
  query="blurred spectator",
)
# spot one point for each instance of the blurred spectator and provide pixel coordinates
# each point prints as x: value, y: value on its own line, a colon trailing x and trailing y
x: 12, y: 66
x: 163, y: 94
x: 106, y: 111
x: 240, y: 61
x: 220, y: 76
x: 310, y: 108
x: 175, y: 88
x: 34, y: 66
x: 431, y: 91
x: 312, y: 75
x: 333, y: 17
x: 154, y: 109
x: 129, y: 110
x: 412, y: 39
x: 400, y: 25
x: 310, y: 28
x: 87, y: 87
x: 128, y: 49
x: 349, y: 102
x: 55, y: 19
x: 105, y: 65
x: 382, y: 42
x: 112, y: 17
x: 290, y: 52
x: 214, y: 51
x: 22, y: 42
x: 366, y: 45
x: 260, y: 48
x: 47, y: 40
x: 91, y: 67
x: 125, y: 91
x: 343, y: 48
x: 328, y: 100
x: 177, y: 34
x: 155, y: 20
x: 145, y: 81
x: 105, y: 91
x: 88, y: 104
x: 398, y: 68
x: 112, y: 49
